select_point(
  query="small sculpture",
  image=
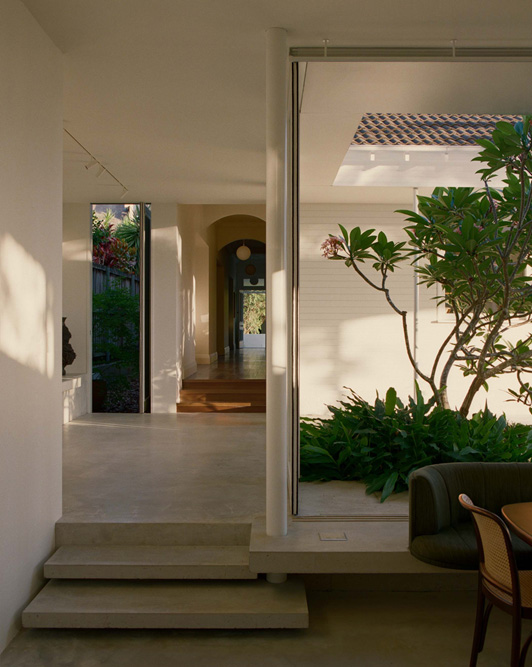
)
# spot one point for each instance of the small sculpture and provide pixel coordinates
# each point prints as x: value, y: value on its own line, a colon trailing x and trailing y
x: 68, y: 352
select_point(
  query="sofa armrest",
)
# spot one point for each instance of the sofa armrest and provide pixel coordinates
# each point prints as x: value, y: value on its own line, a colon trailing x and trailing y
x: 429, y: 503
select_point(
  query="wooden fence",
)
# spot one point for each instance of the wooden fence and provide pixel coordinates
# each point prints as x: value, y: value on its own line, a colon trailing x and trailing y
x: 104, y: 277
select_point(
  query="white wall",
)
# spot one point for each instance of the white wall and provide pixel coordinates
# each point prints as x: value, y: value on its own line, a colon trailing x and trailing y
x: 349, y: 336
x: 30, y: 306
x: 165, y: 351
x: 77, y: 276
x: 187, y: 290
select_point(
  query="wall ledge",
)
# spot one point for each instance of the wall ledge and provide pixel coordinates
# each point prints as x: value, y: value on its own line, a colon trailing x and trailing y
x: 72, y: 381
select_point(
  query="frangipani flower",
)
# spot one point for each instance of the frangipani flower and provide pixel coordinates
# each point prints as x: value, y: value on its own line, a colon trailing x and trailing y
x: 332, y: 247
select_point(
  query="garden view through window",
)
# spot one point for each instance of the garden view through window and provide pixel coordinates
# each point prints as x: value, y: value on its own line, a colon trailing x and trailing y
x: 116, y: 318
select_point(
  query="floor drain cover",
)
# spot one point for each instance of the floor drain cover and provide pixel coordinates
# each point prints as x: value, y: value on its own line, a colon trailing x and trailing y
x: 333, y: 537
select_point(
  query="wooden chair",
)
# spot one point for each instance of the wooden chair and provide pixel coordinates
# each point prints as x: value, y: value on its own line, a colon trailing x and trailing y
x: 500, y: 582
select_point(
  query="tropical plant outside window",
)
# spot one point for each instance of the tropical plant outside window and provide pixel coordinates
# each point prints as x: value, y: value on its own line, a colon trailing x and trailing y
x: 116, y: 314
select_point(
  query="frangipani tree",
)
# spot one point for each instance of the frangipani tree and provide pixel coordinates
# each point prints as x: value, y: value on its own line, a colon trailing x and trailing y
x: 477, y: 246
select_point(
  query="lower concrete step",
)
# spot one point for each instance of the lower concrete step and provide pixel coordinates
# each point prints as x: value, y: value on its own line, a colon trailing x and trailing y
x: 157, y: 604
x: 149, y: 562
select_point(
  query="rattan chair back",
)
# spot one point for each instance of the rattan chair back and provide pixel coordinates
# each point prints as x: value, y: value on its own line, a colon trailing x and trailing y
x: 496, y: 558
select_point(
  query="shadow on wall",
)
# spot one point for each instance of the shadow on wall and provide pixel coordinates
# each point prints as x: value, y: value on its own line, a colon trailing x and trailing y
x: 26, y: 307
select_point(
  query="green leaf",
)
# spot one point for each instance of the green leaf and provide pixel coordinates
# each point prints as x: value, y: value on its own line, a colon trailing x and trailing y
x: 391, y: 399
x: 345, y: 235
x: 389, y: 486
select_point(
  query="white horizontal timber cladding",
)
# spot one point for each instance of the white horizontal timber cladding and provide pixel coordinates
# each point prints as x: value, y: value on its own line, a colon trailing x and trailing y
x: 349, y: 335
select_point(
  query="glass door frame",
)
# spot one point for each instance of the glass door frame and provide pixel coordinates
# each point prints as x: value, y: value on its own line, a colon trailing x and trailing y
x: 144, y: 306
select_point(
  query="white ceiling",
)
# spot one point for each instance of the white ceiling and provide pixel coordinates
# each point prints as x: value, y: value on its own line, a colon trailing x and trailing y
x: 170, y: 94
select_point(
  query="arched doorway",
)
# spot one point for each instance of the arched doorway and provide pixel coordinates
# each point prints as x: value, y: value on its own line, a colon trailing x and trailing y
x: 240, y: 296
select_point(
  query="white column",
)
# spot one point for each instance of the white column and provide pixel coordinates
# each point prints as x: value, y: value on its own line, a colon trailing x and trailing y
x: 276, y: 283
x: 165, y: 286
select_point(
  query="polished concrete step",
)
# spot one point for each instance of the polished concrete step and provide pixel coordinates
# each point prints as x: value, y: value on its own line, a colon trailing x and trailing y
x: 365, y: 546
x: 149, y: 562
x: 72, y: 532
x: 157, y: 604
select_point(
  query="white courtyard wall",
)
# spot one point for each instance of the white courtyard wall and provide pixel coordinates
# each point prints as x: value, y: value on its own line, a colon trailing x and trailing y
x: 350, y: 337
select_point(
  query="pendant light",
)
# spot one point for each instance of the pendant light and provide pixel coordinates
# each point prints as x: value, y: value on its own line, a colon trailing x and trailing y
x: 243, y: 252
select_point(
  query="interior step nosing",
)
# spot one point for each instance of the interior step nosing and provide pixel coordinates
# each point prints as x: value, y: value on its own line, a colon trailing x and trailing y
x: 148, y: 562
x: 176, y: 605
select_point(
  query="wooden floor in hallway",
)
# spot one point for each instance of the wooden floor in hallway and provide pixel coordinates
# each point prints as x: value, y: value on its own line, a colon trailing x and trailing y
x: 235, y: 383
x: 246, y: 363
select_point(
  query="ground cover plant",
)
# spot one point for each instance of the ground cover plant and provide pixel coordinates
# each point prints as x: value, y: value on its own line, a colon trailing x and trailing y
x: 476, y: 245
x: 381, y: 444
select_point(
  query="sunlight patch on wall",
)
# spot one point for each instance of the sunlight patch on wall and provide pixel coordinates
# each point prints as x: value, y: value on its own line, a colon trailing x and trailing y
x: 26, y: 305
x: 277, y: 326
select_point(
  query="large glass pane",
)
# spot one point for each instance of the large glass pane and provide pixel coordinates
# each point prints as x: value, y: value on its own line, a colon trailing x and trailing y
x: 369, y: 149
x: 116, y: 286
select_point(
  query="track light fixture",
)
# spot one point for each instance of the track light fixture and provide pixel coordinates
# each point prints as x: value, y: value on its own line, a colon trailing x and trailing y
x: 94, y: 161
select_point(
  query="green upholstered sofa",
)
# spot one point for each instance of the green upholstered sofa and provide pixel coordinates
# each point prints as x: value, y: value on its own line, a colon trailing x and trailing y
x: 441, y: 531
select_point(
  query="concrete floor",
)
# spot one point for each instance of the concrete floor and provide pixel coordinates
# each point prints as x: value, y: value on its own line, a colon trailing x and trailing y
x: 355, y: 629
x: 170, y: 467
x: 187, y: 467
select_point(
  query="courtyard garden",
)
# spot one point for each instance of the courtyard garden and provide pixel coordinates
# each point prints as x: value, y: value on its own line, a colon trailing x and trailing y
x: 475, y: 245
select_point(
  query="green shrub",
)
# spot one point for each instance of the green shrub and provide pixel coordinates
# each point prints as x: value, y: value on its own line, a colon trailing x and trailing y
x: 116, y: 323
x: 382, y: 444
x: 254, y: 311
